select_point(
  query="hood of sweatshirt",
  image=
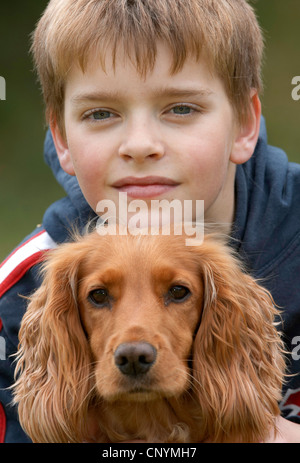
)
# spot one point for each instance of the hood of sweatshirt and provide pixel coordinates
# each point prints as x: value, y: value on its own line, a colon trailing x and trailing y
x: 69, y: 212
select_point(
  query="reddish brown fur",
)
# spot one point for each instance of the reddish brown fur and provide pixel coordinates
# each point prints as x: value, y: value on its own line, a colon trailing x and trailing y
x: 219, y: 367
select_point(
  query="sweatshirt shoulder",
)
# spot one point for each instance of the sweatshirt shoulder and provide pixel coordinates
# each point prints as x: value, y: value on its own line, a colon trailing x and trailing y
x: 23, y: 257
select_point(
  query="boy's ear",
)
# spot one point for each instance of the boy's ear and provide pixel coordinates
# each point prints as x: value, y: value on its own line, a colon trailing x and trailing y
x: 247, y: 134
x: 62, y: 149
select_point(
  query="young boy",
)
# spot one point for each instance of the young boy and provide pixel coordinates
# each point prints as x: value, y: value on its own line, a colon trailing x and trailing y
x: 160, y: 99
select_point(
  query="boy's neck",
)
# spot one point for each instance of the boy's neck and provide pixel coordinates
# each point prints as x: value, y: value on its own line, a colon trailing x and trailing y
x: 221, y: 214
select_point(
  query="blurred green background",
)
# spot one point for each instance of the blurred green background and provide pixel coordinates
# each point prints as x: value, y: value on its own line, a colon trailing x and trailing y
x: 27, y: 186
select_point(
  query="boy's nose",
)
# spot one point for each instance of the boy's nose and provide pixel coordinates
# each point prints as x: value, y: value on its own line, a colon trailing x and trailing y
x: 141, y: 142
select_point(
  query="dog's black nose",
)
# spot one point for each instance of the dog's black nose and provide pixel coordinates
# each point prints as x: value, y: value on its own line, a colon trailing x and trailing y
x: 135, y: 358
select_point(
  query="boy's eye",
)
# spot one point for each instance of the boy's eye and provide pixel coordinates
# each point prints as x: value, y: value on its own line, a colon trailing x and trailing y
x: 100, y: 114
x: 181, y: 109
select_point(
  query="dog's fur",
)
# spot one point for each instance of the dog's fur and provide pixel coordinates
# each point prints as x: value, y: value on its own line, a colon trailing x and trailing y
x: 216, y: 365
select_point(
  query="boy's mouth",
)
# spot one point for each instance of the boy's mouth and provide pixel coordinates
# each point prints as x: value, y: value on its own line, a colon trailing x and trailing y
x: 145, y: 187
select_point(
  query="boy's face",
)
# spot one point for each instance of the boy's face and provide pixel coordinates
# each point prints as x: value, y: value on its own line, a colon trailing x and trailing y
x: 162, y: 137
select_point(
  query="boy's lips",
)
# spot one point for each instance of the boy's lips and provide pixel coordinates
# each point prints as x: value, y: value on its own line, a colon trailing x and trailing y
x: 145, y: 187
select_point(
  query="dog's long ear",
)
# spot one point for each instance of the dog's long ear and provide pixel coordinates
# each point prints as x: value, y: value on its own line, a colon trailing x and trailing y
x: 53, y: 361
x: 238, y: 361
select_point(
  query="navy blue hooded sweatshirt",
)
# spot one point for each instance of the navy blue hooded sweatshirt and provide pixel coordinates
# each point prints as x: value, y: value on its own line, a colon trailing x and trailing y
x: 266, y: 233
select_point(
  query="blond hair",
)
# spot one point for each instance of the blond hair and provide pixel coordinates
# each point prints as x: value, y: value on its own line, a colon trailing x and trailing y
x: 72, y: 31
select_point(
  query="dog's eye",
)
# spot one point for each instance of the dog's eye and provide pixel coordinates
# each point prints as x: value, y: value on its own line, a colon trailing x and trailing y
x: 99, y: 297
x: 178, y: 293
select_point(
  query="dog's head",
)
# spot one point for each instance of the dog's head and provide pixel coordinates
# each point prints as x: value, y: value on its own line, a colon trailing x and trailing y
x: 140, y: 300
x: 138, y: 318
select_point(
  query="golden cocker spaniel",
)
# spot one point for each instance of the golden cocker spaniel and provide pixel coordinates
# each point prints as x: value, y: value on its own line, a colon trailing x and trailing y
x: 143, y: 337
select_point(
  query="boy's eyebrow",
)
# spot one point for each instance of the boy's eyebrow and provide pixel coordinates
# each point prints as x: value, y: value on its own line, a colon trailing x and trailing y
x: 168, y: 92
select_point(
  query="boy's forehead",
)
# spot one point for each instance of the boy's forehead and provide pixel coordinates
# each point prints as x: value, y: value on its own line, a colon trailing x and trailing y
x: 113, y: 77
x: 124, y: 55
